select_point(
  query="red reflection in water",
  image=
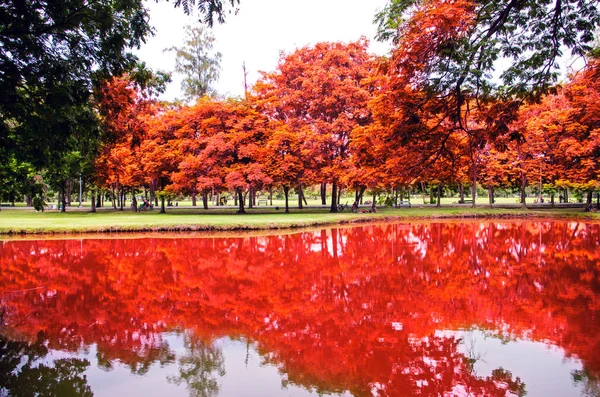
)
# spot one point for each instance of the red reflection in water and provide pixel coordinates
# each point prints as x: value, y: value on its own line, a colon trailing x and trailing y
x: 338, y: 309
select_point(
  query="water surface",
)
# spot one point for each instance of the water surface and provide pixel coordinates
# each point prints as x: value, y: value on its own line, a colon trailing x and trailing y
x: 452, y: 308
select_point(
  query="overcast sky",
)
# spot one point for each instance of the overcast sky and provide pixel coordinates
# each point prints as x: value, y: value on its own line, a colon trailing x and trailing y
x: 258, y: 33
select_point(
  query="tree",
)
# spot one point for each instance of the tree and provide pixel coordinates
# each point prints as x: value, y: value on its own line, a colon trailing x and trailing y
x: 52, y: 53
x: 454, y: 46
x: 321, y: 87
x: 220, y: 144
x: 41, y: 83
x: 283, y: 158
x: 581, y: 143
x: 124, y: 108
x: 446, y: 52
x: 197, y: 62
x: 196, y: 171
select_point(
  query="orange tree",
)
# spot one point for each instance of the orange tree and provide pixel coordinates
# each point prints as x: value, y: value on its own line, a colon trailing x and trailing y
x: 446, y: 52
x: 321, y: 87
x: 219, y: 144
x: 124, y: 109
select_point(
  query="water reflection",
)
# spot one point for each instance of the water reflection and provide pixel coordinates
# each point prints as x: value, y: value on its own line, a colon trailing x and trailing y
x: 369, y: 310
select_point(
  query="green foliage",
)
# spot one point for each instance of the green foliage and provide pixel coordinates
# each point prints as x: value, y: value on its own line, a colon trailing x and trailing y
x: 529, y: 35
x: 25, y: 371
x: 209, y: 8
x: 197, y: 62
x: 390, y: 19
x: 38, y: 203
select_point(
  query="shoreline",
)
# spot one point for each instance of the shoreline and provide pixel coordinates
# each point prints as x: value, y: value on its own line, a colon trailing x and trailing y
x: 189, y: 222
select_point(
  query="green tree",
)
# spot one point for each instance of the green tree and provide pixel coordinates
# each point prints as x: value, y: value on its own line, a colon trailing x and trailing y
x: 51, y: 55
x: 197, y: 62
x: 26, y: 371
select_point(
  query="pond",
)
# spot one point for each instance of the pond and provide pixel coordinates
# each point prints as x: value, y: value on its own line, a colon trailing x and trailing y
x: 481, y: 308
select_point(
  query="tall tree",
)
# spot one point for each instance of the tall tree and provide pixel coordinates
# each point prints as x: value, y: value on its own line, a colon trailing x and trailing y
x: 447, y: 50
x: 51, y: 55
x: 322, y: 87
x: 197, y: 62
x: 454, y: 45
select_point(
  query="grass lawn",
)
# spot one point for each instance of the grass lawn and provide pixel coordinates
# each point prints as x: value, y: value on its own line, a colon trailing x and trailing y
x: 18, y: 221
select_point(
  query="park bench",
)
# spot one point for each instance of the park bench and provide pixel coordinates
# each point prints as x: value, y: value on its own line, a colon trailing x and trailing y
x: 466, y: 201
x: 265, y: 201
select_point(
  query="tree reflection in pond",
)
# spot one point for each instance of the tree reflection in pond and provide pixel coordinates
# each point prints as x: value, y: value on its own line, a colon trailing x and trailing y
x: 360, y: 309
x: 24, y: 372
x: 199, y: 367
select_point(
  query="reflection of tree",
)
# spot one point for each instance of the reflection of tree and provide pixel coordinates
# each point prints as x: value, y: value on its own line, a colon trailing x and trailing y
x: 199, y: 367
x: 590, y: 381
x: 139, y: 357
x: 337, y: 309
x: 23, y: 374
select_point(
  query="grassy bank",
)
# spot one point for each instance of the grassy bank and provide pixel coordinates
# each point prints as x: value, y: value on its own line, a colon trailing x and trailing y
x: 25, y: 221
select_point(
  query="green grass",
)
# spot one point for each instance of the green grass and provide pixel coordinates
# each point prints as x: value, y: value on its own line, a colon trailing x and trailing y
x: 21, y: 221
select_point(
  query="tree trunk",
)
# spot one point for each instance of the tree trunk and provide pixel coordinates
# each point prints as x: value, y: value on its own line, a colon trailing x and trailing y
x: 63, y: 198
x: 29, y: 200
x: 323, y: 193
x: 598, y: 200
x: 153, y: 192
x: 300, y: 196
x: 162, y: 204
x: 205, y: 200
x: 99, y: 198
x: 439, y: 196
x: 423, y: 192
x: 491, y: 196
x: 240, y: 195
x: 523, y: 186
x: 69, y: 191
x: 93, y: 193
x: 588, y: 201
x: 133, y: 200
x: 334, y: 200
x: 250, y: 193
x: 474, y: 187
x: 114, y: 197
x: 461, y: 194
x: 271, y: 196
x: 552, y: 199
x: 122, y: 200
x: 286, y: 191
x: 566, y: 195
x: 194, y: 199
x: 373, y: 204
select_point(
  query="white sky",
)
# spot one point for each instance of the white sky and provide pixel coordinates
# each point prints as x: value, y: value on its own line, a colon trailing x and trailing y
x: 258, y: 33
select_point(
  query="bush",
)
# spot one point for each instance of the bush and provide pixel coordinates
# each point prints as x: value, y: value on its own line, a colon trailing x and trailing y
x: 38, y: 203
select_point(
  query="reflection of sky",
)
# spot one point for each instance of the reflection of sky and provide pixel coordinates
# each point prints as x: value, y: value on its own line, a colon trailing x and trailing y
x: 544, y: 369
x: 241, y: 379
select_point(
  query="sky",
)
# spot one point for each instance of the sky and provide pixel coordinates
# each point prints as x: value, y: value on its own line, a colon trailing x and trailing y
x: 258, y: 33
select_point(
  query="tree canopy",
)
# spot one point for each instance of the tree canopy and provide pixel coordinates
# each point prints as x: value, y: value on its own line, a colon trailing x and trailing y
x: 457, y: 45
x: 197, y: 62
